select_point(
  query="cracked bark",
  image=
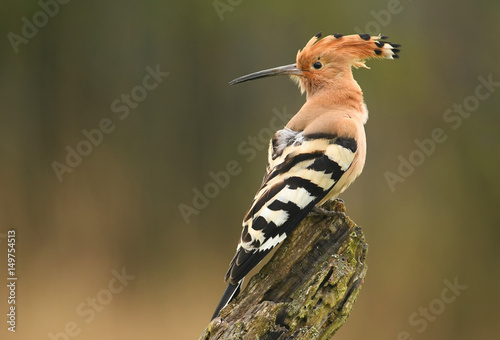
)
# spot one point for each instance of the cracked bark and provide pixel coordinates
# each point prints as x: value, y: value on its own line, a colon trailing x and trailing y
x: 307, y: 289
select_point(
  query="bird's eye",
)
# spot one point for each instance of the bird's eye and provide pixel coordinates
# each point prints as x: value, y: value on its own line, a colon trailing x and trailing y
x: 317, y: 65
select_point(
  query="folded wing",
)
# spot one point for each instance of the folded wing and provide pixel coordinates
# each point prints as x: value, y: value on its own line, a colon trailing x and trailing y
x: 302, y: 170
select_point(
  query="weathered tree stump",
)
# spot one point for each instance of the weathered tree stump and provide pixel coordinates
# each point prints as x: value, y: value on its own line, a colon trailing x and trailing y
x: 307, y: 289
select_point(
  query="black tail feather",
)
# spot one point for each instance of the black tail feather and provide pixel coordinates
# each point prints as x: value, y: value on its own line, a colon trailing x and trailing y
x: 231, y: 292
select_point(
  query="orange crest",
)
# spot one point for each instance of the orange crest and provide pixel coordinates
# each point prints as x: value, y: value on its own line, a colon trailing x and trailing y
x: 349, y: 50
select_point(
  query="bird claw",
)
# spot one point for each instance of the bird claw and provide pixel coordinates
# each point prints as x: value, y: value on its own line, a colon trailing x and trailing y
x: 318, y: 211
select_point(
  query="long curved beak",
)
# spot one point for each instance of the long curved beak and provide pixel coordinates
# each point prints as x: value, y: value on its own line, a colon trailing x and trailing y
x: 277, y: 71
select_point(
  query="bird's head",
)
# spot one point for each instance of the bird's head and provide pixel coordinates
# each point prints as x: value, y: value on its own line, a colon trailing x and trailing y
x: 325, y: 61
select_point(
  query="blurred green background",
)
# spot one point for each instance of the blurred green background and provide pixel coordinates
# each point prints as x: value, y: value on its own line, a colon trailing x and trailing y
x: 119, y: 206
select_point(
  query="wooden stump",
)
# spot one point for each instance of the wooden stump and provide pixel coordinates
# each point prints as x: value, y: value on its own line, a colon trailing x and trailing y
x: 307, y: 289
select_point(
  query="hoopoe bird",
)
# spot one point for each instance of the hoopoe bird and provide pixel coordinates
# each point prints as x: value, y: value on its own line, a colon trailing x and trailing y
x: 318, y: 154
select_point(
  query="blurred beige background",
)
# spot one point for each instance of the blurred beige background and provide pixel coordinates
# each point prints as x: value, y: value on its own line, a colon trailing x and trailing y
x: 103, y: 249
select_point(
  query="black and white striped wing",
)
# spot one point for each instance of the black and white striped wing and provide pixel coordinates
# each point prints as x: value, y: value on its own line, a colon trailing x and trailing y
x: 301, y: 171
